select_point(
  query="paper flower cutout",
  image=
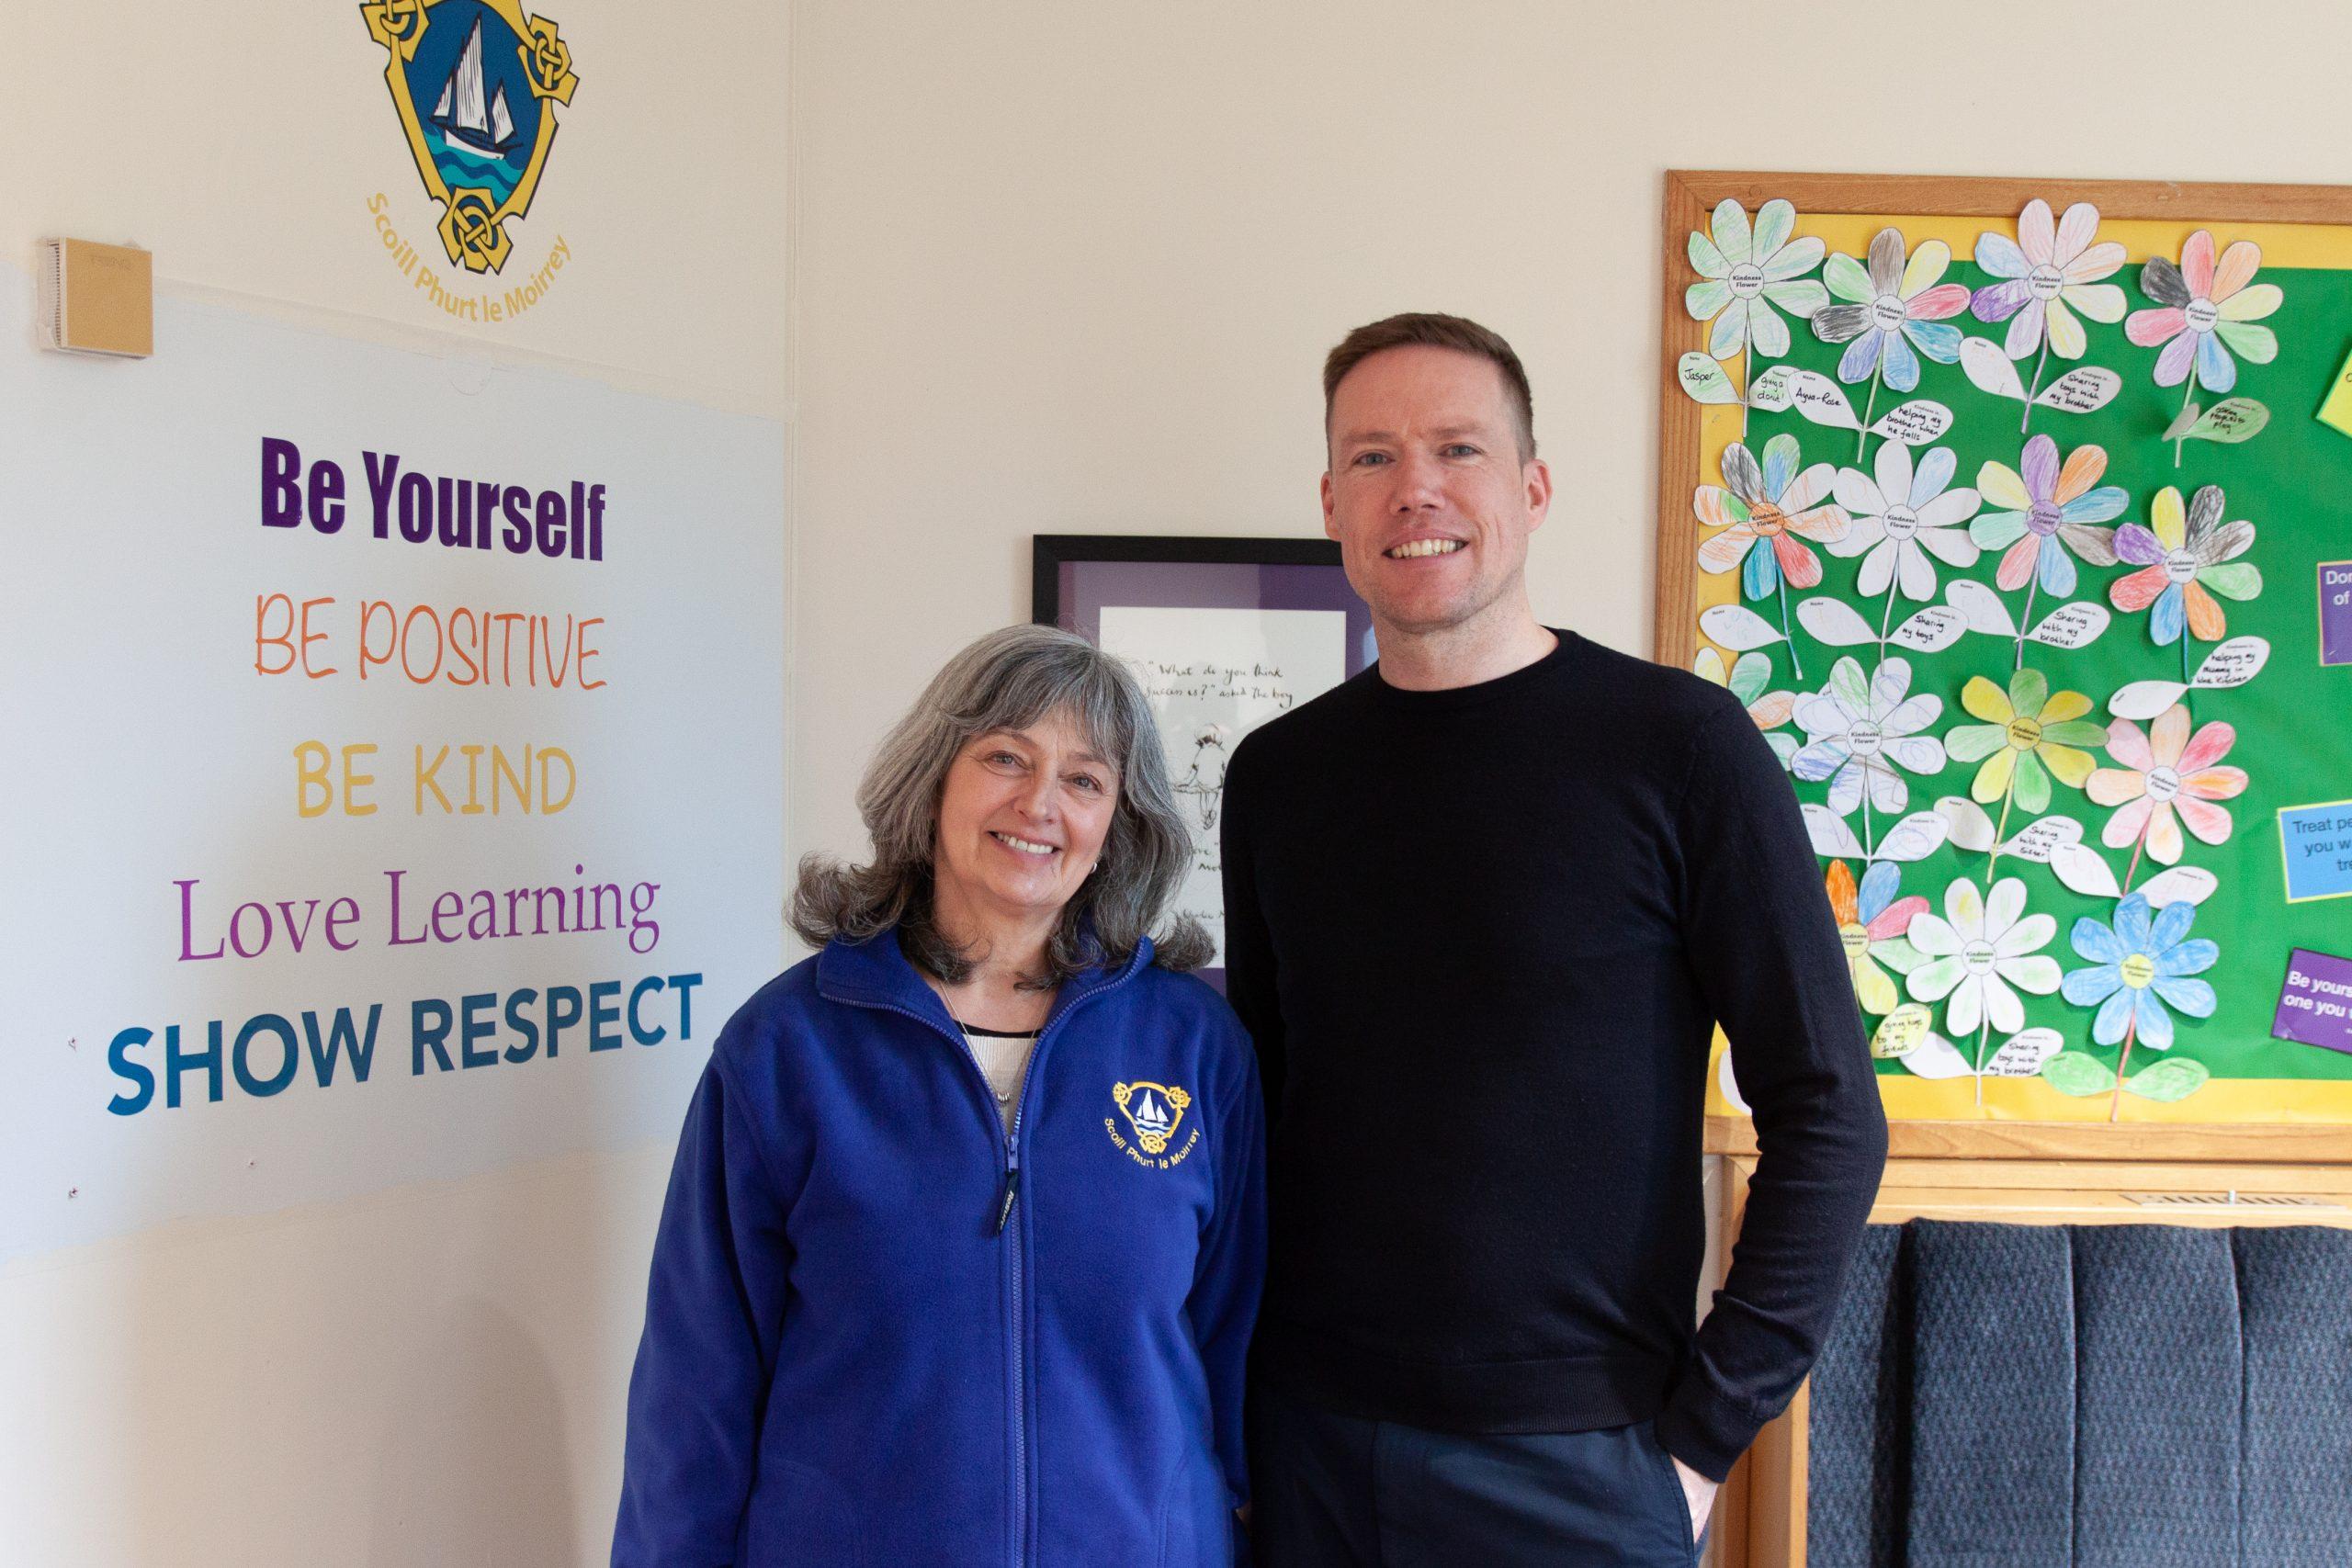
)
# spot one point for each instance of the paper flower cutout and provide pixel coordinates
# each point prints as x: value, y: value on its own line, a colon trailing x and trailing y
x: 1900, y: 516
x: 2182, y: 566
x: 1858, y: 733
x: 2043, y: 508
x: 2046, y: 270
x: 1747, y: 679
x: 1773, y: 504
x: 2204, y: 310
x: 2170, y: 778
x: 2138, y: 967
x: 1979, y: 953
x: 2029, y: 733
x: 1892, y: 307
x: 1743, y: 275
x: 1871, y: 922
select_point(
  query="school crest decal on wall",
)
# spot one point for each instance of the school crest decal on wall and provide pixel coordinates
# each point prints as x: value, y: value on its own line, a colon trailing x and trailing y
x: 475, y: 83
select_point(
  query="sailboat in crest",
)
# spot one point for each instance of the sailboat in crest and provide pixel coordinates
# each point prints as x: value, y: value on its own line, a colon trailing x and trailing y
x: 468, y: 125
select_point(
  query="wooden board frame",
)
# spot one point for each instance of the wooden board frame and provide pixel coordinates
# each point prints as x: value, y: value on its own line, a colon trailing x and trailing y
x: 1688, y: 197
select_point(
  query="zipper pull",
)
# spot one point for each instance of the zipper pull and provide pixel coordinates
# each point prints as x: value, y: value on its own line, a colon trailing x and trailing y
x: 1012, y: 1192
x: 1011, y: 1174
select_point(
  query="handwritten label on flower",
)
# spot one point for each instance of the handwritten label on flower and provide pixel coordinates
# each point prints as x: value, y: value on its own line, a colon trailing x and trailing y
x: 2071, y: 625
x: 1930, y: 630
x: 2042, y: 839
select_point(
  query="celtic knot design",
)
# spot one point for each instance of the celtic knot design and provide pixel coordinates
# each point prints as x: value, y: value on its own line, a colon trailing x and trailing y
x: 471, y: 232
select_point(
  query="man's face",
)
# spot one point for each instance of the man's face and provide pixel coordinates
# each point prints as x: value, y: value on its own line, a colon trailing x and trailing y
x: 1426, y: 493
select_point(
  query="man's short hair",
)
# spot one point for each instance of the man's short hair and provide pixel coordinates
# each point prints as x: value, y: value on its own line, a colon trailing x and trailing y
x: 1456, y: 332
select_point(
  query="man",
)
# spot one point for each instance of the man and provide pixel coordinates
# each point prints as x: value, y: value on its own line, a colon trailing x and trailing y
x: 1484, y: 905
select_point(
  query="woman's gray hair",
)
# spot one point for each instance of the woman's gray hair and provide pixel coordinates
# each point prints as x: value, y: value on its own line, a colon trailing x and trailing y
x: 1009, y: 680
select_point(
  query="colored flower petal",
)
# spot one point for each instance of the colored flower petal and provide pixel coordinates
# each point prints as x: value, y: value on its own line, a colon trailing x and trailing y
x: 2064, y: 705
x: 1999, y: 301
x: 2037, y: 235
x: 1923, y: 754
x: 1934, y: 982
x: 1861, y: 357
x: 1902, y: 364
x: 2003, y: 905
x: 2095, y: 942
x: 2125, y: 827
x: 2188, y: 958
x: 1729, y: 334
x: 2004, y: 487
x: 2070, y: 733
x: 1729, y: 225
x: 1717, y: 507
x: 2040, y: 469
x: 2172, y: 365
x: 1886, y: 262
x: 2074, y: 231
x: 1801, y: 298
x: 2072, y: 764
x: 2207, y: 747
x: 2161, y: 281
x: 1706, y: 297
x: 2206, y: 622
x: 1850, y: 687
x: 1840, y: 323
x: 2133, y: 918
x: 2086, y: 988
x: 1749, y: 677
x: 1939, y: 340
x: 2167, y: 520
x: 2194, y: 998
x: 2107, y: 500
x: 2056, y: 571
x: 2083, y: 466
x: 2128, y: 744
x: 1871, y: 987
x: 2207, y: 821
x: 1974, y: 742
x: 2114, y: 1014
x: 1808, y: 488
x: 2017, y: 564
x: 2036, y: 971
x: 1724, y: 551
x: 1895, y: 920
x: 1803, y: 567
x: 2214, y: 783
x: 1927, y: 265
x: 2139, y: 544
x: 2255, y: 344
x: 2154, y: 1022
x: 1986, y: 700
x: 1993, y: 530
x: 2026, y: 329
x: 2197, y: 265
x: 1887, y: 790
x: 1782, y: 457
x: 2096, y: 545
x: 1792, y: 260
x: 1742, y: 474
x: 1826, y: 524
x: 1844, y: 903
x: 2066, y: 338
x: 2101, y: 302
x: 1775, y: 220
x: 2163, y: 836
x: 2235, y: 270
x: 1993, y: 779
x: 1706, y: 260
x: 1820, y: 761
x: 2167, y: 617
x: 2216, y: 371
x: 2254, y: 304
x: 1766, y: 330
x: 2033, y: 787
x: 2148, y: 328
x: 1759, y: 574
x: 2214, y: 545
x: 1876, y: 892
x: 1942, y: 302
x: 1999, y: 1003
x: 1999, y: 254
x: 1932, y: 934
x: 1849, y: 279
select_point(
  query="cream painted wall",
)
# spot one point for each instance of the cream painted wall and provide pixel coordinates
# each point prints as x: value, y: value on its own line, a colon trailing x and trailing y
x: 432, y: 1375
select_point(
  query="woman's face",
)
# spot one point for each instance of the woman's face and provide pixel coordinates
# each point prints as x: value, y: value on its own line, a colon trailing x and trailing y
x: 1022, y: 819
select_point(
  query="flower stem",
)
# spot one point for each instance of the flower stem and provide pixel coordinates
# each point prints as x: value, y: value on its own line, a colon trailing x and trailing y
x: 2030, y: 585
x: 1887, y: 620
x: 1747, y: 384
x: 1983, y: 1034
x: 1862, y: 434
x: 2115, y: 1107
x: 1796, y: 665
x: 2187, y: 386
x: 2137, y: 845
x: 1999, y: 833
x: 2035, y: 390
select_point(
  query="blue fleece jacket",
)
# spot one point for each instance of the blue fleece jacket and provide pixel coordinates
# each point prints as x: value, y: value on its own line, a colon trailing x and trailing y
x: 881, y: 1334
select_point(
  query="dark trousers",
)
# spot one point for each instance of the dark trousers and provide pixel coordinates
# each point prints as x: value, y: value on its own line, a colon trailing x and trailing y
x: 1335, y: 1492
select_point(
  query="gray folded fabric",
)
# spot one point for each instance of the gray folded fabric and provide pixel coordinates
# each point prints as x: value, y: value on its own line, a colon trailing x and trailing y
x: 2295, y: 1297
x: 1861, y: 1408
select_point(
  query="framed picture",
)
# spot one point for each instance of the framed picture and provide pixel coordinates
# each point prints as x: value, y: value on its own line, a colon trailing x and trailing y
x: 1225, y: 634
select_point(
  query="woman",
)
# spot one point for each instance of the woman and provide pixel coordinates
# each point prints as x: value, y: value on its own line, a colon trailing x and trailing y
x: 966, y: 1233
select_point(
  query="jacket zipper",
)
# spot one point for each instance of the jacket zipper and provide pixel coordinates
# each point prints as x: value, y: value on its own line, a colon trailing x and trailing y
x: 1016, y: 1317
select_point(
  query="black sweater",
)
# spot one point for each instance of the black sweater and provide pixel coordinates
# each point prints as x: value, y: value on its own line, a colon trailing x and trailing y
x: 1482, y: 937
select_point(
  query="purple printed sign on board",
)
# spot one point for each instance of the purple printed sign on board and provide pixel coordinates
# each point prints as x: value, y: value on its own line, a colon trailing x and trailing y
x: 2336, y: 612
x: 2316, y: 1002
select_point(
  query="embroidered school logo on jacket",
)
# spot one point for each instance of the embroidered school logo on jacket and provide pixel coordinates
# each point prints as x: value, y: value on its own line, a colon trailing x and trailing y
x: 1153, y: 1112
